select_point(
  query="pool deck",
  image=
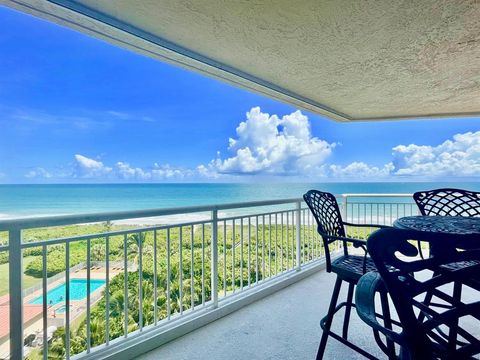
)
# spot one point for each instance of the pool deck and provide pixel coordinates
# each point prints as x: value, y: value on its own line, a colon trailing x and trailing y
x: 32, y: 313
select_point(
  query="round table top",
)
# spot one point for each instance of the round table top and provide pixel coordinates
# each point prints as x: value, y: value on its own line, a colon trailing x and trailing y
x: 452, y: 225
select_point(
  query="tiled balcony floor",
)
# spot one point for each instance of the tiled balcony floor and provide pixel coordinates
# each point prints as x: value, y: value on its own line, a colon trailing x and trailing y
x: 284, y: 325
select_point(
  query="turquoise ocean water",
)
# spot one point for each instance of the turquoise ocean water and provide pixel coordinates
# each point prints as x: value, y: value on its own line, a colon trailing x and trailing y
x: 32, y: 200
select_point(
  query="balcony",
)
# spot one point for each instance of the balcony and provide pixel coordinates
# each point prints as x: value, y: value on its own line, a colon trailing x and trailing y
x: 163, y: 278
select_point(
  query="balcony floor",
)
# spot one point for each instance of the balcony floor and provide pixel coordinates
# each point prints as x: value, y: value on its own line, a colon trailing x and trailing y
x: 284, y: 325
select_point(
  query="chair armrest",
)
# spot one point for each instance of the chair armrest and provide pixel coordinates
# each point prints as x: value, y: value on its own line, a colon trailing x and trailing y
x: 356, y: 242
x: 368, y: 285
x: 367, y: 225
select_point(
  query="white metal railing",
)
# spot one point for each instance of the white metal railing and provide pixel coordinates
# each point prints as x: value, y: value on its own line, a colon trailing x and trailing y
x: 170, y: 271
x: 382, y: 209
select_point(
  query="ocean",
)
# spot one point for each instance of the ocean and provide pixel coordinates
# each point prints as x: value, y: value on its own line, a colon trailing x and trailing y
x: 54, y: 199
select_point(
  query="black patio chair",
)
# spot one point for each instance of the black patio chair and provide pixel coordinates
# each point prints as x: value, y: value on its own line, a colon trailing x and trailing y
x: 348, y: 267
x: 406, y: 277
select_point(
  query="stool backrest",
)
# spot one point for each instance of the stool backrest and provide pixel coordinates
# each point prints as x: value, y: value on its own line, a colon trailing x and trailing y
x: 326, y: 212
x: 448, y: 202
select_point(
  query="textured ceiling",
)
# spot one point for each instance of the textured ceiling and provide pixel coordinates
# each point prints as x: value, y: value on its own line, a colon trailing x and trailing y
x: 350, y: 60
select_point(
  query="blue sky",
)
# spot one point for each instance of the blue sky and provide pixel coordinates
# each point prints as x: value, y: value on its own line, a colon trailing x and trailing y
x: 76, y: 109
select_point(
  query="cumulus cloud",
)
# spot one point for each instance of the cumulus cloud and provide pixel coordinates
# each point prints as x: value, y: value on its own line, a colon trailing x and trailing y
x: 360, y: 170
x: 125, y: 171
x: 90, y: 168
x: 268, y: 144
x: 459, y: 156
x: 167, y: 172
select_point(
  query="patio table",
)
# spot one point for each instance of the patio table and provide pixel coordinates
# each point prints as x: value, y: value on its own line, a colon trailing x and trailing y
x: 465, y: 230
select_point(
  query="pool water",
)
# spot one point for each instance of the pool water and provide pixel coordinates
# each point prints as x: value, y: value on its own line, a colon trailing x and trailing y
x: 78, y: 291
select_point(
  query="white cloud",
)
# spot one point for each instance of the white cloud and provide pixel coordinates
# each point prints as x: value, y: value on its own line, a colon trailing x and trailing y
x: 167, y: 172
x: 457, y: 157
x: 270, y: 145
x: 122, y: 171
x: 360, y: 170
x: 125, y: 171
x: 90, y: 168
x: 267, y: 145
x: 38, y: 172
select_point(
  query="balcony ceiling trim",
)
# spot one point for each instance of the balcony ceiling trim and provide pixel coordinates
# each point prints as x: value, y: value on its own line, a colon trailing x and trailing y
x: 108, y: 27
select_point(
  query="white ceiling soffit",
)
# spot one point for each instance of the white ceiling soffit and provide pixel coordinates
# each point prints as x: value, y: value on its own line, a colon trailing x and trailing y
x: 348, y: 60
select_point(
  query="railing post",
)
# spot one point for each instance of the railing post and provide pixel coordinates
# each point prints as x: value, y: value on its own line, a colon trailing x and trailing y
x: 214, y: 266
x: 297, y: 234
x: 15, y: 289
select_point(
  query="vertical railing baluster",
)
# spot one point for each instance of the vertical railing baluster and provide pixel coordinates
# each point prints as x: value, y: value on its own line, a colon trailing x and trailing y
x: 125, y: 285
x: 345, y: 204
x: 214, y: 266
x: 107, y: 290
x: 241, y: 253
x: 310, y: 237
x: 294, y: 236
x: 67, y: 300
x: 192, y: 289
x: 44, y: 302
x: 155, y: 278
x: 15, y: 268
x: 256, y: 250
x: 224, y: 258
x: 263, y: 247
x: 169, y: 309
x: 140, y: 278
x: 276, y: 242
x: 304, y: 248
x: 203, y: 264
x: 288, y: 240
x: 281, y: 243
x: 298, y: 239
x: 180, y: 266
x: 270, y: 245
x: 233, y: 255
x: 88, y: 318
x: 249, y: 245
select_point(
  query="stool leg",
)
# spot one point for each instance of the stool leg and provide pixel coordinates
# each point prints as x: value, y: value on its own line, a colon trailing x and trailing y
x: 387, y: 321
x: 348, y: 308
x: 426, y: 301
x: 328, y: 323
x: 452, y: 334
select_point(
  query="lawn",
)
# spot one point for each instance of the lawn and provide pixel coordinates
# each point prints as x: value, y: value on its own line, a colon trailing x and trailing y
x: 27, y: 280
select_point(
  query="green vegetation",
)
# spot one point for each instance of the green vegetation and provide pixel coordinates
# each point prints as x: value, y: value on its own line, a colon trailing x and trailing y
x: 28, y: 281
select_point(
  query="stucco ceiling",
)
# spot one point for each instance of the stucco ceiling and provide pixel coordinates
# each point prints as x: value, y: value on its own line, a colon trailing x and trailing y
x: 349, y: 60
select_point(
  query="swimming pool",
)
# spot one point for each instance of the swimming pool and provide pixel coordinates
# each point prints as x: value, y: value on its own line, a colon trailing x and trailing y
x: 78, y: 291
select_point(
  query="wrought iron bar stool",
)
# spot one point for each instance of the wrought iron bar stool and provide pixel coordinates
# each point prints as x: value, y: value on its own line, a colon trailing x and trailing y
x: 450, y: 202
x: 400, y: 271
x: 347, y: 267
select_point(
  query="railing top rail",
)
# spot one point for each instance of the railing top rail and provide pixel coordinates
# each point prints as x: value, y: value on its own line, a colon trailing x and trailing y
x: 59, y: 220
x: 375, y: 195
